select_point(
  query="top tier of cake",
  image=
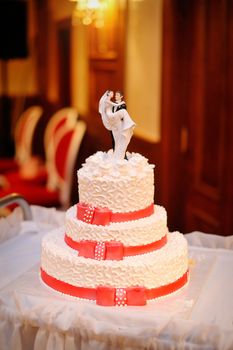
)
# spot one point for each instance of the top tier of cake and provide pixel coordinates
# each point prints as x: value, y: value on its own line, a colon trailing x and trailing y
x: 122, y: 186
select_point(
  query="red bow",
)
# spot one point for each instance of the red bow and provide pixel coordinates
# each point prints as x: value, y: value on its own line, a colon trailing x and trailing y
x: 101, y: 250
x: 93, y: 215
x: 104, y: 216
x: 110, y: 296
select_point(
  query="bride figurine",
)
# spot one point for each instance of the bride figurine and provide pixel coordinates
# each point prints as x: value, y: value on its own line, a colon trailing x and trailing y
x: 119, y: 122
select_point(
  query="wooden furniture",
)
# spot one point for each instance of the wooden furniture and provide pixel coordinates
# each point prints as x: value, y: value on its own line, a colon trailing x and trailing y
x: 197, y: 123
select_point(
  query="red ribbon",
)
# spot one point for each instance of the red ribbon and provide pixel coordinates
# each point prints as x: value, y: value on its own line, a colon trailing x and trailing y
x: 111, y: 250
x: 104, y: 216
x: 110, y: 296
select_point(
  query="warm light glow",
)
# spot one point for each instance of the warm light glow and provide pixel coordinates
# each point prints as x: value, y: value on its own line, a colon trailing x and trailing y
x: 90, y: 12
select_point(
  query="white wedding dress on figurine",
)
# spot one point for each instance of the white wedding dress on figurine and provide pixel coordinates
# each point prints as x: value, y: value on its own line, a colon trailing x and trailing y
x: 102, y: 111
x: 120, y: 123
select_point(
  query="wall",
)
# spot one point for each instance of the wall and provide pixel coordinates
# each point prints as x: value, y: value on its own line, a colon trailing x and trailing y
x: 143, y: 66
x: 79, y: 68
x: 143, y: 63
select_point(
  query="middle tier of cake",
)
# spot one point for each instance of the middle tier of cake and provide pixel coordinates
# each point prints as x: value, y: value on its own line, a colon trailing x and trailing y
x: 135, y: 233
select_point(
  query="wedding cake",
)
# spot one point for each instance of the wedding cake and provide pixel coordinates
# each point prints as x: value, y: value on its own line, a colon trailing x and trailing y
x: 115, y: 248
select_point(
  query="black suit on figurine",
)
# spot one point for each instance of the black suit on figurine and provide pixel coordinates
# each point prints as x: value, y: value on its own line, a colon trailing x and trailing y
x: 117, y: 108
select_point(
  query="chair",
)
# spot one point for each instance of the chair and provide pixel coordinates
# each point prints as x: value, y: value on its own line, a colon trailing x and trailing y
x: 62, y: 159
x: 33, y: 170
x: 56, y: 193
x: 64, y: 118
x: 23, y: 137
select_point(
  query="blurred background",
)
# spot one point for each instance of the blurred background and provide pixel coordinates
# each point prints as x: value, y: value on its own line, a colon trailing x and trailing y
x: 173, y: 61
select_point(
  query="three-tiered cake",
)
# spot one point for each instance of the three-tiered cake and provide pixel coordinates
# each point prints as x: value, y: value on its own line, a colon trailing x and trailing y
x: 115, y: 248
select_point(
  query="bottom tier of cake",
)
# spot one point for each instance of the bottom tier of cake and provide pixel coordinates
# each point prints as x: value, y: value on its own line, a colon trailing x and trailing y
x: 131, y: 281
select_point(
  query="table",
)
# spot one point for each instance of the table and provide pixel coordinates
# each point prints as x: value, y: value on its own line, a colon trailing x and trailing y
x: 200, y: 316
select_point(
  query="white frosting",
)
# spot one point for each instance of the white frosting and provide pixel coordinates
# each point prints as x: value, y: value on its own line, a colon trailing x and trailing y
x: 137, y: 232
x: 122, y: 186
x: 151, y: 270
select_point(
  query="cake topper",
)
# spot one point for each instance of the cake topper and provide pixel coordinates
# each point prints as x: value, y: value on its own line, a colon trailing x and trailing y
x: 116, y: 119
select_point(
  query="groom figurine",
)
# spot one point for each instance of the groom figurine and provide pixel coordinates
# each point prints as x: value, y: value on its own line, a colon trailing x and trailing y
x: 118, y: 99
x: 118, y: 122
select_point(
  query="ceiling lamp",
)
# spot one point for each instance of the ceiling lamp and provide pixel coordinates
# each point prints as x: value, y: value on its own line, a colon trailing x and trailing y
x: 90, y: 12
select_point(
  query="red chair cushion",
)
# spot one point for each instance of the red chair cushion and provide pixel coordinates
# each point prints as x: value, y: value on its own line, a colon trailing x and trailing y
x: 62, y: 152
x: 7, y: 164
x: 31, y: 172
x: 15, y: 177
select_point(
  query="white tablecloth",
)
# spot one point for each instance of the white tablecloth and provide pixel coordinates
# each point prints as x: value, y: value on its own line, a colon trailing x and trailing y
x: 200, y: 316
